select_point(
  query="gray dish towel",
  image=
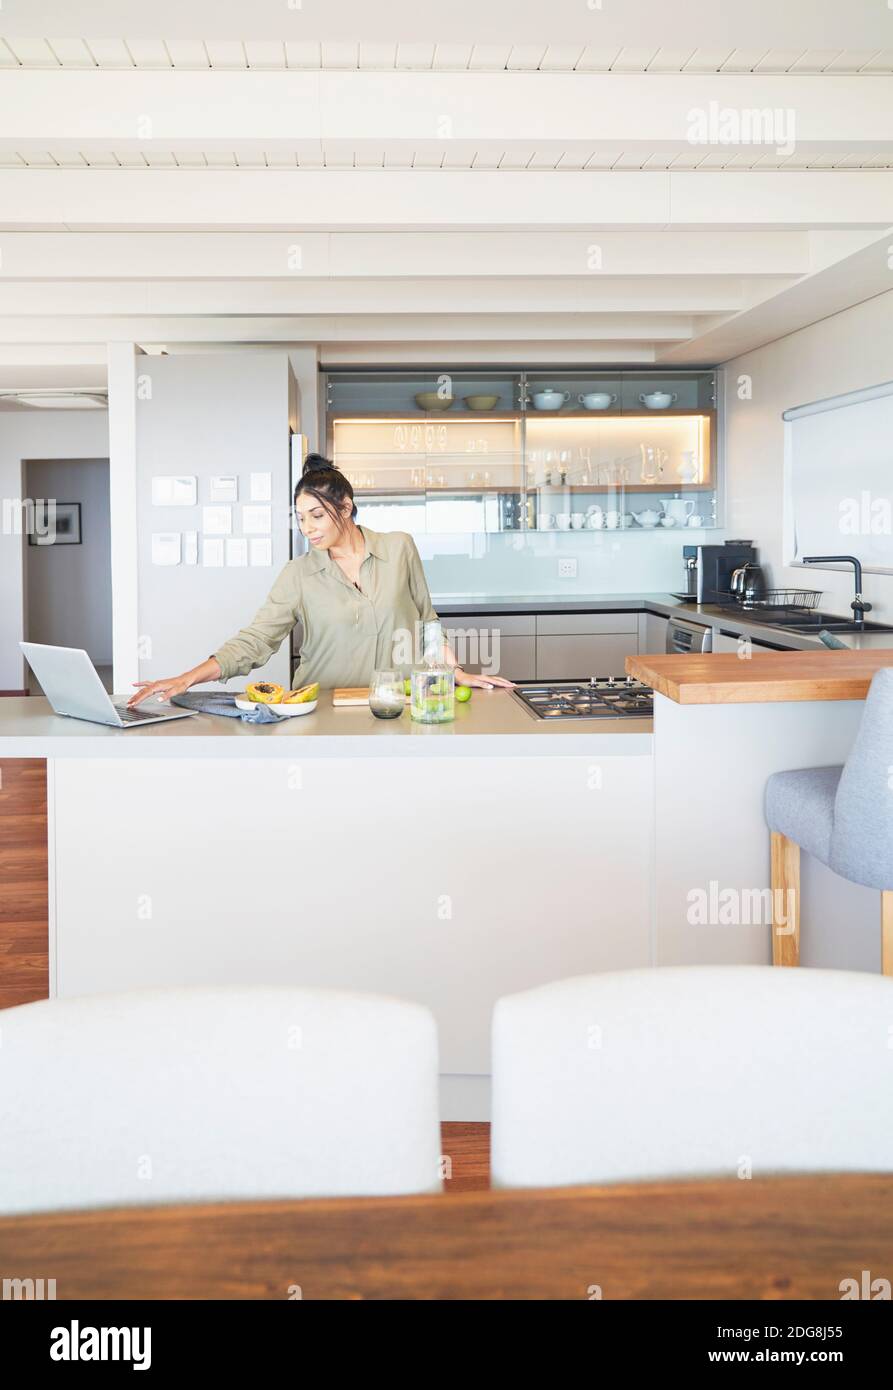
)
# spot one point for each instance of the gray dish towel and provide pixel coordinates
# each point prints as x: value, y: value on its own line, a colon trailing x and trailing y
x: 218, y: 702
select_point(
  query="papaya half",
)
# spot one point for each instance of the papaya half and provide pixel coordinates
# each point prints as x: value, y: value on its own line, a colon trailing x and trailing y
x: 303, y: 696
x: 264, y: 693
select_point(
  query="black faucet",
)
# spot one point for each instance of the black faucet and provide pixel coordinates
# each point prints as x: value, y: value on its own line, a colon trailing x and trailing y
x: 858, y: 605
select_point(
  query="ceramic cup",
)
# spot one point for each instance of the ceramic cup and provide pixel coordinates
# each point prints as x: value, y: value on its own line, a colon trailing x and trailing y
x: 564, y: 521
x: 695, y: 520
x: 578, y: 520
x: 612, y: 520
x: 547, y: 521
x: 596, y: 519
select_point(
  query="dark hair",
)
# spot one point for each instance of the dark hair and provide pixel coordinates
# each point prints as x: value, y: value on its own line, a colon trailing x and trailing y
x: 324, y: 480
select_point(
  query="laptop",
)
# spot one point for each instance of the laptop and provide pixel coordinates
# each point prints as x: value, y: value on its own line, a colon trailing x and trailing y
x: 72, y: 685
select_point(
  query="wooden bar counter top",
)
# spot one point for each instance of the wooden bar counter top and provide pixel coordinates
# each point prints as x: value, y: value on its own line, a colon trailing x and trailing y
x: 723, y: 678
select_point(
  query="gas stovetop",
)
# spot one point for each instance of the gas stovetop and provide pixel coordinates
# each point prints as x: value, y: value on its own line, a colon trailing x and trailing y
x: 602, y: 697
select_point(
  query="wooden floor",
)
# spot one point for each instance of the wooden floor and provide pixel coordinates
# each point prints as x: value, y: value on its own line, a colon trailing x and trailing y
x: 467, y: 1147
x: 24, y: 932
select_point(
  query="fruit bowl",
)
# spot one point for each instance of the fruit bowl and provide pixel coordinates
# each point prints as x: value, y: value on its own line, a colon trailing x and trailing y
x: 288, y: 711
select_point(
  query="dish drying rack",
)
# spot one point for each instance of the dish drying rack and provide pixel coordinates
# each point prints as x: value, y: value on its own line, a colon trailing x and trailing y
x: 796, y: 600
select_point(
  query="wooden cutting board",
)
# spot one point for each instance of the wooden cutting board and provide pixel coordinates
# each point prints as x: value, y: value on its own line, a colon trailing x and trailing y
x: 351, y: 695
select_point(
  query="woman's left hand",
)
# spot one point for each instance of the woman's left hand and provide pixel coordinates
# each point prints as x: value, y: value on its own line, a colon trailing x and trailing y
x: 487, y: 682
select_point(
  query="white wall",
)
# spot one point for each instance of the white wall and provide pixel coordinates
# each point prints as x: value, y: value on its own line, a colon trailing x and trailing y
x: 33, y: 434
x: 220, y: 413
x: 69, y: 587
x: 847, y: 351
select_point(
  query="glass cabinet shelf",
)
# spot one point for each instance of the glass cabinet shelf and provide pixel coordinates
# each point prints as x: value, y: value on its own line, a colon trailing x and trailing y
x: 513, y: 450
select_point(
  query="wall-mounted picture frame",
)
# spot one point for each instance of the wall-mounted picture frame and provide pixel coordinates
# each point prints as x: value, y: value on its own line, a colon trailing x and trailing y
x: 62, y: 529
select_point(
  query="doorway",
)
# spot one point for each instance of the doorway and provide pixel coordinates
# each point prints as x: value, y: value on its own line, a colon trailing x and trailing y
x: 68, y: 584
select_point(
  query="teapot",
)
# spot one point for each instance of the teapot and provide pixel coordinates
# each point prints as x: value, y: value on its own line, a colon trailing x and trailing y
x: 680, y: 509
x: 648, y: 517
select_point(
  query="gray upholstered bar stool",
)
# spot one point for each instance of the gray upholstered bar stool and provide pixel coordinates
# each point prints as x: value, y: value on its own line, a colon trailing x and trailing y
x: 842, y: 816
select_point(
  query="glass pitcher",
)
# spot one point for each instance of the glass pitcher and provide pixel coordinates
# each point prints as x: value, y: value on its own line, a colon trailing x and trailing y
x: 433, y: 688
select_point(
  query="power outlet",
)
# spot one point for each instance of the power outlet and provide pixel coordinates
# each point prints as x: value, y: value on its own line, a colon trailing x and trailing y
x: 567, y: 569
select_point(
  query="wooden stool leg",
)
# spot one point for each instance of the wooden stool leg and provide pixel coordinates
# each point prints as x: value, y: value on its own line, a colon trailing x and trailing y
x: 785, y: 880
x: 887, y: 932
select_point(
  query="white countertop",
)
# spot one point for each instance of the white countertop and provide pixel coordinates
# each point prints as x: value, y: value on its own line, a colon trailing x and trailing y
x: 492, y: 724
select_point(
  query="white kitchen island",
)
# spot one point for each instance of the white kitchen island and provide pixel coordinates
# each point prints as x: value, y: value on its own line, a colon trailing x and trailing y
x: 447, y: 864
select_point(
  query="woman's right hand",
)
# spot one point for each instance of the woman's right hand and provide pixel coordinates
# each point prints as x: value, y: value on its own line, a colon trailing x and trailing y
x: 164, y: 689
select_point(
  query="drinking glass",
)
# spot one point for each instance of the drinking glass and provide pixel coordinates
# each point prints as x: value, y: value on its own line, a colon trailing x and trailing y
x: 386, y: 696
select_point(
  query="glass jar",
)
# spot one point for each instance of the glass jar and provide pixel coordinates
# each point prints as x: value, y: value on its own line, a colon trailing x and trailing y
x: 386, y: 694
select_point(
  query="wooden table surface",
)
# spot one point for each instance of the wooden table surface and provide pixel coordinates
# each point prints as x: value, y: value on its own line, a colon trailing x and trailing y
x: 724, y: 678
x: 767, y: 1238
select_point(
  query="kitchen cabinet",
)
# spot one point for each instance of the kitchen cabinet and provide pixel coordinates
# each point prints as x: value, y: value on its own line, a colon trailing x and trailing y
x: 728, y: 640
x: 577, y: 658
x: 652, y: 632
x: 516, y: 449
x: 575, y: 646
x: 483, y: 640
x: 725, y: 641
x: 545, y: 646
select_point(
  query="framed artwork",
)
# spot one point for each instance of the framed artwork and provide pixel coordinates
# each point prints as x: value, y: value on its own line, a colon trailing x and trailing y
x: 65, y: 531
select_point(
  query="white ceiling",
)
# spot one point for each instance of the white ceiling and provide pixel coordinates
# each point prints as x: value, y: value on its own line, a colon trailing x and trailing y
x: 401, y: 182
x: 793, y: 26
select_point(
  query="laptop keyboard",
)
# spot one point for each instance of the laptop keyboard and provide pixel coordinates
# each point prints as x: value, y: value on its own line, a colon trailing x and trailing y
x: 128, y: 715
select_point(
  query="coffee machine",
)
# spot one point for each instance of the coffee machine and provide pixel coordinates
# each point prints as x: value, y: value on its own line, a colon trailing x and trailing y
x: 709, y: 569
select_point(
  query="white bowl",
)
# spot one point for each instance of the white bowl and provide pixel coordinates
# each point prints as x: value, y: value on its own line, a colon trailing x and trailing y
x: 288, y: 711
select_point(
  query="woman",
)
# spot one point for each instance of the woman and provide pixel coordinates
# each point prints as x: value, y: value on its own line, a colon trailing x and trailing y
x: 360, y: 595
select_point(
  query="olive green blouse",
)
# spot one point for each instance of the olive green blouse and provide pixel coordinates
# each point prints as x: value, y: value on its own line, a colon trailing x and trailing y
x: 348, y: 634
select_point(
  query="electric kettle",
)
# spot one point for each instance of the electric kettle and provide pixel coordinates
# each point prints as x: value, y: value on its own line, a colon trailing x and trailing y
x: 748, y: 584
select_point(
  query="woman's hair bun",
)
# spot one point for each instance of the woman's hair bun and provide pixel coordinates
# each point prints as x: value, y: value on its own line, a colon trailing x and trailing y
x: 316, y: 463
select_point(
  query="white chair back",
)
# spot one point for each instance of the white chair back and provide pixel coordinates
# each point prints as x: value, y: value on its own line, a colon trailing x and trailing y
x: 198, y: 1095
x: 697, y: 1070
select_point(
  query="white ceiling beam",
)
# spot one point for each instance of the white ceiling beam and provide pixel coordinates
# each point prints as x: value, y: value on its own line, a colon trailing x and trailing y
x: 534, y: 350
x: 851, y: 280
x: 399, y: 255
x: 388, y: 328
x: 212, y: 108
x: 265, y: 199
x: 696, y: 22
x: 44, y: 354
x: 686, y: 295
